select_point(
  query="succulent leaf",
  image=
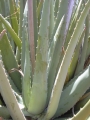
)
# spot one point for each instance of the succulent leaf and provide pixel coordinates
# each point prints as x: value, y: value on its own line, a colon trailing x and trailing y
x: 13, y: 16
x: 9, y: 60
x: 84, y: 50
x: 26, y: 83
x: 73, y: 91
x: 58, y: 49
x: 12, y: 33
x: 74, y: 61
x: 8, y: 96
x: 39, y: 84
x: 61, y: 75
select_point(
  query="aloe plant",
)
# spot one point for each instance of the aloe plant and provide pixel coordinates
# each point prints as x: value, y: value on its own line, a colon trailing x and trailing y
x: 44, y: 59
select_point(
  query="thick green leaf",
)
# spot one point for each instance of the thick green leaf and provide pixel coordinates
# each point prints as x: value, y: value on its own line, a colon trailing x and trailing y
x: 9, y: 60
x: 72, y: 93
x: 61, y: 75
x: 13, y: 17
x: 11, y: 31
x: 39, y: 85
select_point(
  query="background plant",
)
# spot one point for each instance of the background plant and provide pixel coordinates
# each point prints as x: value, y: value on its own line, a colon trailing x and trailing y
x: 44, y: 59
